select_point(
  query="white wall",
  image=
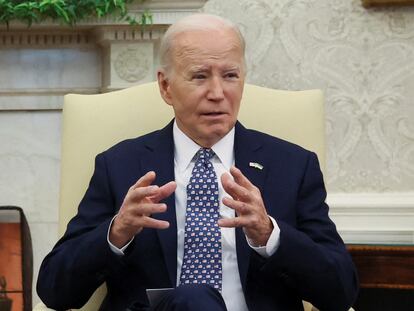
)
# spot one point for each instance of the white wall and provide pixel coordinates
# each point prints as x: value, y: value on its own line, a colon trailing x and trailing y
x: 363, y: 59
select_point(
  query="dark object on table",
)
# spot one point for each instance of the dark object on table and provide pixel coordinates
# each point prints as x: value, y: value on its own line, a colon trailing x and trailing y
x: 5, y: 302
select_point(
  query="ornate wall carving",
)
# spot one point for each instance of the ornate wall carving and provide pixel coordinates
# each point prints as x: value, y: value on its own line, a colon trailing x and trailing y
x: 362, y: 59
x: 132, y: 64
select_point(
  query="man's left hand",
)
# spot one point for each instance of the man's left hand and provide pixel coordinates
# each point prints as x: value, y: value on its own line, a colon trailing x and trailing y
x: 249, y: 207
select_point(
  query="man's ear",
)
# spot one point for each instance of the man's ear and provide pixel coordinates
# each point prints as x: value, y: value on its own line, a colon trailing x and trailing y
x: 164, y: 86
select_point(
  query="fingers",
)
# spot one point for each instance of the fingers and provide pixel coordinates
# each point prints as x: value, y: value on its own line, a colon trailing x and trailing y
x: 125, y: 227
x: 148, y: 222
x: 143, y: 189
x: 233, y: 222
x: 136, y: 218
x: 140, y: 202
x: 249, y: 221
x: 235, y: 190
x: 239, y: 206
x: 145, y: 180
x: 143, y: 201
x: 240, y: 179
x: 147, y: 209
x: 164, y: 191
x: 247, y: 202
x: 140, y: 193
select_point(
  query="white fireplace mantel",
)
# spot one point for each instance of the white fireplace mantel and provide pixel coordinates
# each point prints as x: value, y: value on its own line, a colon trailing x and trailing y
x: 126, y: 55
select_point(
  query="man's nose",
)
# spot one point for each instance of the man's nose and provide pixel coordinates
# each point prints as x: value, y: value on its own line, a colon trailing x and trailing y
x: 215, y: 91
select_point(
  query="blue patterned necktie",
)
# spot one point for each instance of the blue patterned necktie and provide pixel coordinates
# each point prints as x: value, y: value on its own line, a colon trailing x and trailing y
x: 202, y: 238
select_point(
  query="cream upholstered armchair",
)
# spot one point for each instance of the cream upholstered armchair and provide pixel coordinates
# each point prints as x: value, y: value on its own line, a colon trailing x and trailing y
x: 93, y: 123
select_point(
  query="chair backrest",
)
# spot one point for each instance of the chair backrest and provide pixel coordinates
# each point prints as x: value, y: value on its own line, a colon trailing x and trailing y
x: 93, y: 123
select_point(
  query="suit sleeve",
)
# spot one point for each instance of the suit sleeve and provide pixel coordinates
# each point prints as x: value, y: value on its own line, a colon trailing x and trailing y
x: 81, y: 260
x: 312, y: 257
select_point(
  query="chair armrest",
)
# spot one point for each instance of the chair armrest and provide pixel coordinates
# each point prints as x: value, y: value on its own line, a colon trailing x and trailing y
x: 307, y: 306
x: 41, y: 307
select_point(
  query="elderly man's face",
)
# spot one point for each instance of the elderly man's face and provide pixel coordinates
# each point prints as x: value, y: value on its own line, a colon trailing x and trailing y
x: 205, y: 84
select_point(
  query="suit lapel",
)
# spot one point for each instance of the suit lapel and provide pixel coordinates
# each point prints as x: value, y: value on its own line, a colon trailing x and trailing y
x: 161, y: 160
x: 247, y: 150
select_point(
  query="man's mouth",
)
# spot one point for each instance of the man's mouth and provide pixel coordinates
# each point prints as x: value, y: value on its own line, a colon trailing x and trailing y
x: 217, y: 113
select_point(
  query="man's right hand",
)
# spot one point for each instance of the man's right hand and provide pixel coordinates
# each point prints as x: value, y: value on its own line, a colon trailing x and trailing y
x: 141, y: 201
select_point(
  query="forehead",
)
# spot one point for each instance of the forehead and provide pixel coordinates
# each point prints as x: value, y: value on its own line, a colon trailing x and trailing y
x: 202, y: 46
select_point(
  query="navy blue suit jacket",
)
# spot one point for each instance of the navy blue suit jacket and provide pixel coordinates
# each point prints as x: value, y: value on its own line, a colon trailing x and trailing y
x: 311, y: 262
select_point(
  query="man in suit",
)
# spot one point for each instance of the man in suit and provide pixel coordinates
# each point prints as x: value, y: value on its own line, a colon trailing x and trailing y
x: 259, y: 237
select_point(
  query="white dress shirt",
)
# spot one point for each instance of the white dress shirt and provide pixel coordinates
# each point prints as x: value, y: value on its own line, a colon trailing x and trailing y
x: 184, y: 151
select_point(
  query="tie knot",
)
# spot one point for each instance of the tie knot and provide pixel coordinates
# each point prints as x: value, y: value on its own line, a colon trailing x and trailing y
x: 205, y: 154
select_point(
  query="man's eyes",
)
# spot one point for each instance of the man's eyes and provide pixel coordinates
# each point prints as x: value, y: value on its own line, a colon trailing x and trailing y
x: 199, y: 76
x: 228, y: 75
x: 231, y: 75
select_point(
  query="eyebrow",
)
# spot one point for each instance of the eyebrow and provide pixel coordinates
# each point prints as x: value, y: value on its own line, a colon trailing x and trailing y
x: 234, y: 68
x: 204, y: 68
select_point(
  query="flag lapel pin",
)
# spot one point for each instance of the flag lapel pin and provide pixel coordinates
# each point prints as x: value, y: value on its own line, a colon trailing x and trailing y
x: 256, y: 165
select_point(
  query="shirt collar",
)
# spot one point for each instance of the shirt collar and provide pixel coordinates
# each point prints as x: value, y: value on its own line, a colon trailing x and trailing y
x: 185, y: 149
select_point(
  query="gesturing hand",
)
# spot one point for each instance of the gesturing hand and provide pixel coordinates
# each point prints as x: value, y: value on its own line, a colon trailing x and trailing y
x: 140, y: 202
x: 250, y: 210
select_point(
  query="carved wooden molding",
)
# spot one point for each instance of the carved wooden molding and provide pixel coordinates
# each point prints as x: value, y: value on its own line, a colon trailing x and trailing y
x: 108, y: 34
x: 102, y: 35
x: 370, y: 3
x: 45, y: 37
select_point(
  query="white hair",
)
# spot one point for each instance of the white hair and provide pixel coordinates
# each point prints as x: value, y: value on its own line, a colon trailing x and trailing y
x: 195, y: 22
